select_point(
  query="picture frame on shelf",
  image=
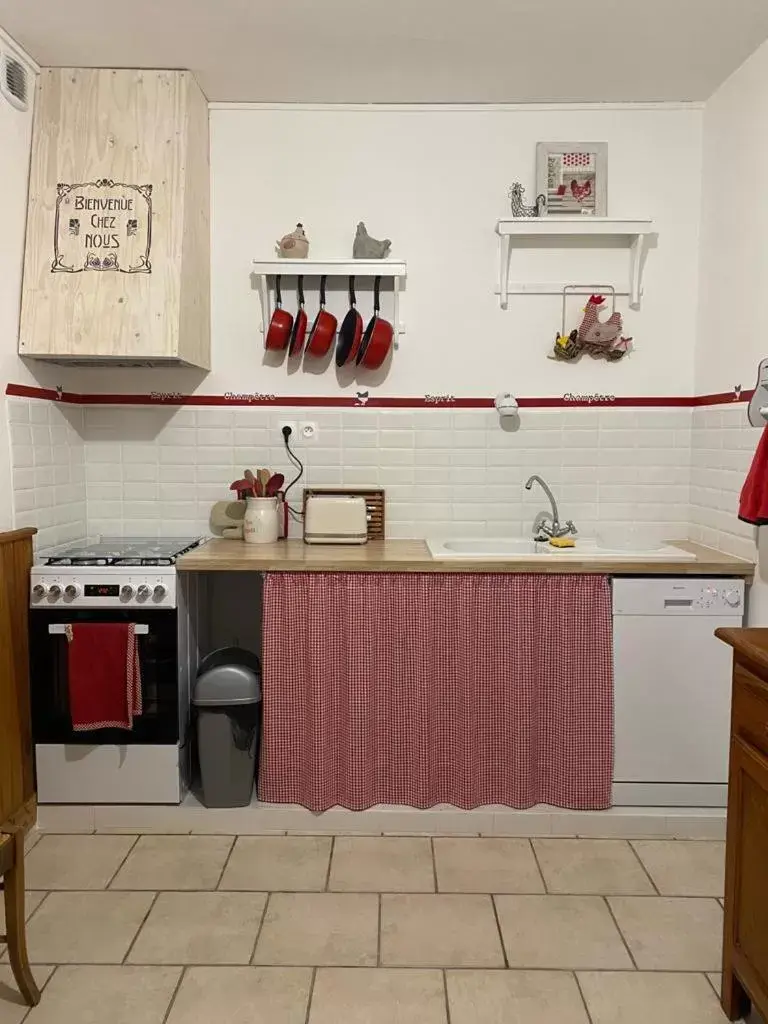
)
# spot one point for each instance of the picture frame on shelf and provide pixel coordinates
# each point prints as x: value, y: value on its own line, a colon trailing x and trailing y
x: 574, y: 178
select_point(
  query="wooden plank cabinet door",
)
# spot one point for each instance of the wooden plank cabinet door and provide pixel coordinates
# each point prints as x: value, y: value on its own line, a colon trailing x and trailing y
x: 745, y: 946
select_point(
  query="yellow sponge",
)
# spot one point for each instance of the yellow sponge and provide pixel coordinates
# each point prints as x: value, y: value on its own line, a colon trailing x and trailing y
x: 562, y: 542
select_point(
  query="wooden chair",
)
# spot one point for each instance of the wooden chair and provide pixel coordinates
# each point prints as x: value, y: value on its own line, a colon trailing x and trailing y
x: 12, y: 874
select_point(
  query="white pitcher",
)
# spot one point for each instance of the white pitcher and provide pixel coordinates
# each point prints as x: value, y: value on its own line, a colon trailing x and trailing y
x: 260, y: 525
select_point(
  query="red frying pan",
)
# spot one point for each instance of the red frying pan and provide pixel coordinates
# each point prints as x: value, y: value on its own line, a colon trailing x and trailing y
x: 279, y: 330
x: 377, y: 340
x: 351, y: 330
x: 323, y: 329
x: 299, y: 330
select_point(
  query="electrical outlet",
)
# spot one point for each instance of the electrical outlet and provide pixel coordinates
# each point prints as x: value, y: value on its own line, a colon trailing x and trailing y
x: 308, y: 432
x: 288, y: 423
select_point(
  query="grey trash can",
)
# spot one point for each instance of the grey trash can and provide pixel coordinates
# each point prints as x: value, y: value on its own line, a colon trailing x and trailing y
x: 227, y: 698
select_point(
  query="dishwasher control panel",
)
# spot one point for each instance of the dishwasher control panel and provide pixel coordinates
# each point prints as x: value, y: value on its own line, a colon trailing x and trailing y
x: 717, y: 596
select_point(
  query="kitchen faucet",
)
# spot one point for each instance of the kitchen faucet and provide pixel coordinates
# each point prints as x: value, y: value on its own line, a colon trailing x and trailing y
x: 546, y: 526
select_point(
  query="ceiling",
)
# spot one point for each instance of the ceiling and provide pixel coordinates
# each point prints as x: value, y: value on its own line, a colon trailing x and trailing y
x: 406, y: 51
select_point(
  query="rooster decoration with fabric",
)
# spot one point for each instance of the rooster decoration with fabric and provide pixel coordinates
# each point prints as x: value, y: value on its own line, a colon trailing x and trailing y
x: 596, y: 337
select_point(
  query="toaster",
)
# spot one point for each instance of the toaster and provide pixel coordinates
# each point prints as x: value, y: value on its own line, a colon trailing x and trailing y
x: 335, y: 519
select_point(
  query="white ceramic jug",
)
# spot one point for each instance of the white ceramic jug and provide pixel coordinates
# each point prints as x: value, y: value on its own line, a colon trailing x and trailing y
x: 260, y: 525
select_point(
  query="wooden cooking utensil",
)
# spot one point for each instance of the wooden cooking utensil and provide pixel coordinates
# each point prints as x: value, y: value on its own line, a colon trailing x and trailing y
x: 263, y: 477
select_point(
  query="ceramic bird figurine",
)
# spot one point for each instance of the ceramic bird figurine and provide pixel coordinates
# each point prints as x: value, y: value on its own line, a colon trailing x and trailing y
x: 294, y: 246
x: 367, y: 248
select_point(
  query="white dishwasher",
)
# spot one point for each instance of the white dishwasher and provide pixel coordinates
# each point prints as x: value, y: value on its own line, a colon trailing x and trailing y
x: 672, y: 689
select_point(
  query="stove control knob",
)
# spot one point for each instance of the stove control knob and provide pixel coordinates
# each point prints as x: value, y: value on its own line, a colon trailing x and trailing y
x: 54, y: 591
x: 39, y: 591
x: 159, y: 592
x: 72, y: 590
x: 126, y: 592
x: 143, y: 592
x: 732, y: 597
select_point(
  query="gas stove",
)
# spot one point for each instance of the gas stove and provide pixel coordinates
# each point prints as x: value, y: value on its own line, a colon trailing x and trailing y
x: 125, y: 551
x: 111, y: 573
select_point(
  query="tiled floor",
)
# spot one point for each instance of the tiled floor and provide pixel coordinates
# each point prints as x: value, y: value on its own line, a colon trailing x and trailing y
x: 194, y: 929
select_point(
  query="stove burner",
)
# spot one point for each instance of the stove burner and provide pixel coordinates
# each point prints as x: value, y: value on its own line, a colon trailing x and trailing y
x: 126, y: 551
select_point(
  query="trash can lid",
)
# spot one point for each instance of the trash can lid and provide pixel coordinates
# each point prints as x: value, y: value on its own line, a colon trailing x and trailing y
x: 227, y: 685
x: 230, y: 656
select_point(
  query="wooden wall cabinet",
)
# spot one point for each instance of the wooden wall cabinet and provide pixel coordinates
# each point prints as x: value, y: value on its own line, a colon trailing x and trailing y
x: 117, y: 258
x: 17, y: 784
x: 745, y: 936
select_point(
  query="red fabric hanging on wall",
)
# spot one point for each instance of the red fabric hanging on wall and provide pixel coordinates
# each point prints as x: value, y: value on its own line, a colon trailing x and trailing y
x: 431, y: 688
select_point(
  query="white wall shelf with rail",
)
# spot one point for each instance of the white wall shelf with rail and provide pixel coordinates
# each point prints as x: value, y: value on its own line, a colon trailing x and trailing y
x: 524, y: 232
x: 267, y: 270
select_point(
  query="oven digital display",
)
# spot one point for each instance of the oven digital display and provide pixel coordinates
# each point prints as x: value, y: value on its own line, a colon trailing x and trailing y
x: 101, y: 590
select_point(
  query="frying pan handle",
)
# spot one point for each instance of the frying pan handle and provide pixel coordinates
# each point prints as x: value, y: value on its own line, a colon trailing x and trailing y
x: 322, y: 291
x: 376, y: 289
x: 352, y: 296
x: 278, y: 296
x: 300, y: 289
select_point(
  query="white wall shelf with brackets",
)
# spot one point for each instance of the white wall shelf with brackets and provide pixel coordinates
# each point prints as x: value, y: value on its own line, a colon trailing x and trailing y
x: 267, y: 270
x: 526, y: 232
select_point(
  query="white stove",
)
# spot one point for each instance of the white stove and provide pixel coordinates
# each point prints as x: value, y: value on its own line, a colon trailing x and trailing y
x: 119, y: 573
x: 129, y: 580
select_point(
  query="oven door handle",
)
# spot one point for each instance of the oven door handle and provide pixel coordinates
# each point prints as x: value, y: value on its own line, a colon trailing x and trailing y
x: 61, y: 627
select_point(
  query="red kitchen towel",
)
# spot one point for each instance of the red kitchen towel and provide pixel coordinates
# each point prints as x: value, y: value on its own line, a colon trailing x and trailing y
x: 753, y: 503
x: 104, y: 675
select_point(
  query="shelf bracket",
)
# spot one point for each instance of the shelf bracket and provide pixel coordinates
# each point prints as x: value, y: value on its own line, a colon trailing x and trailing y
x: 637, y: 253
x: 505, y: 243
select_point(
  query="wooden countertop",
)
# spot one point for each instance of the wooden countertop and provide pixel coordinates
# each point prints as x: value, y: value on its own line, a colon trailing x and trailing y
x: 413, y: 556
x: 751, y: 643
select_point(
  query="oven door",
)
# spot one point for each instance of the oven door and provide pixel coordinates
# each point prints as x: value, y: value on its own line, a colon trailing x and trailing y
x: 158, y: 656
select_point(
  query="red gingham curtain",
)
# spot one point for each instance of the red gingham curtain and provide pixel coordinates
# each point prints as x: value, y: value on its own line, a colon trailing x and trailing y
x: 430, y: 688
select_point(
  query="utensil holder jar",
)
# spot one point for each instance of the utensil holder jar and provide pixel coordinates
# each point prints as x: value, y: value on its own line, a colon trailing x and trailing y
x: 261, y: 523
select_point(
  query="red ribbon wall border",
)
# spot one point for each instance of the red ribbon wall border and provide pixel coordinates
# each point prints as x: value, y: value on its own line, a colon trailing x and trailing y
x: 374, y: 401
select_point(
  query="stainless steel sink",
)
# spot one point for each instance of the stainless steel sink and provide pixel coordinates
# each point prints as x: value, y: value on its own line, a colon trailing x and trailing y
x: 524, y: 549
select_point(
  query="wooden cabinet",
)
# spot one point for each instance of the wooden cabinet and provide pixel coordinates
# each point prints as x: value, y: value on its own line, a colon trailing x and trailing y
x: 117, y: 258
x: 17, y: 786
x: 745, y: 936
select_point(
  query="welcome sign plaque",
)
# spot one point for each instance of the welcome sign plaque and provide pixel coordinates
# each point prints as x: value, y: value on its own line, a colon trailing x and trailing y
x: 103, y: 225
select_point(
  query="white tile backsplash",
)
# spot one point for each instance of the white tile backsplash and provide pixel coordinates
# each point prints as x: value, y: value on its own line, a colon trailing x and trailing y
x: 80, y: 471
x: 47, y: 454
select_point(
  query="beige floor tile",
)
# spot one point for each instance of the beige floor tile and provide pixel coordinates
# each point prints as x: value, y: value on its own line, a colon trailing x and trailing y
x: 669, y: 934
x: 12, y: 1007
x: 639, y: 997
x: 86, y: 927
x: 560, y: 932
x: 319, y: 929
x: 514, y: 997
x: 243, y: 995
x: 439, y: 931
x: 200, y: 928
x: 32, y: 901
x: 382, y: 864
x: 278, y: 864
x: 377, y: 996
x: 684, y: 867
x: 75, y: 862
x: 597, y: 866
x: 174, y: 862
x: 486, y: 865
x: 716, y: 980
x: 120, y: 995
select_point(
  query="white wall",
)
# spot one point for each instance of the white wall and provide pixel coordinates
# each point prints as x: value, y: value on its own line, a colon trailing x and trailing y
x: 732, y: 310
x: 435, y: 181
x: 734, y: 231
x: 15, y: 141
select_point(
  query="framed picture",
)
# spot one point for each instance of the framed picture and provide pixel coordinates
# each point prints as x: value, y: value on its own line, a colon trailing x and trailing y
x: 574, y: 177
